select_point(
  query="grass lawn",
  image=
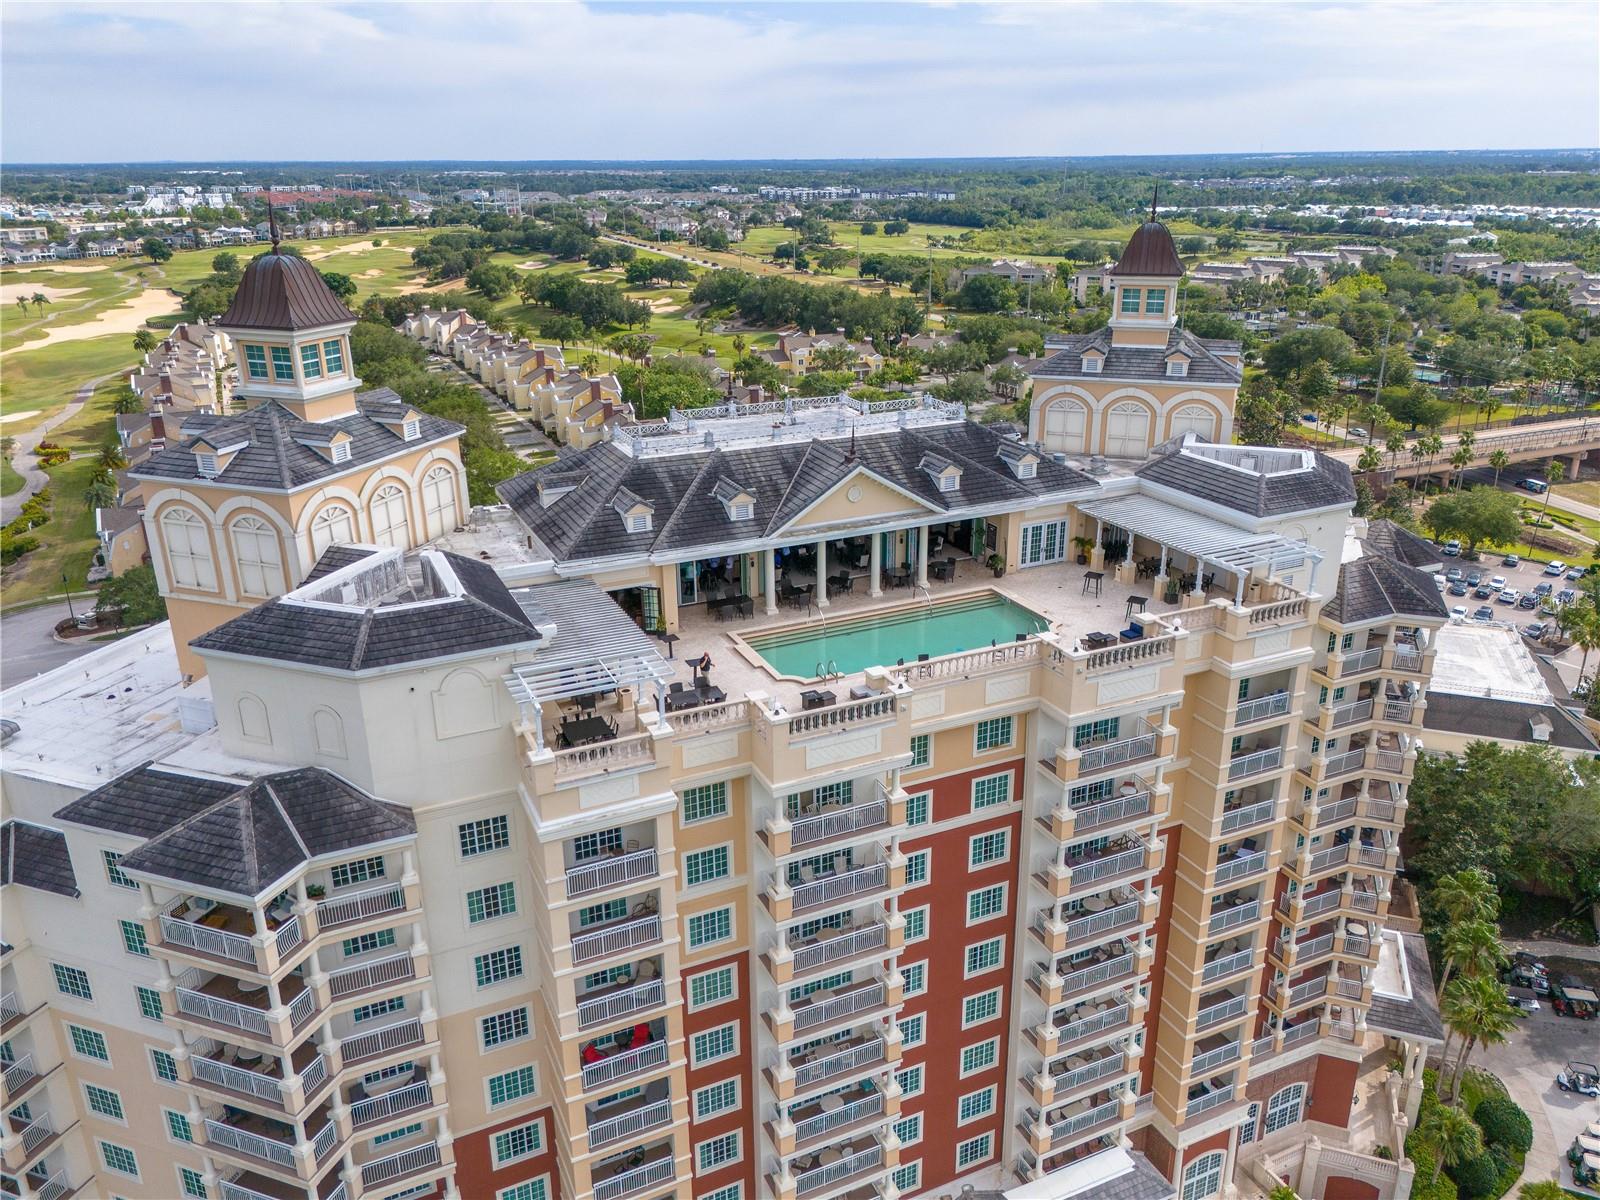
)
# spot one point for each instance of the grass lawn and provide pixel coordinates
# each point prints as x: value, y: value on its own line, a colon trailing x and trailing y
x: 66, y: 541
x: 10, y: 480
x: 45, y: 379
x: 1587, y: 492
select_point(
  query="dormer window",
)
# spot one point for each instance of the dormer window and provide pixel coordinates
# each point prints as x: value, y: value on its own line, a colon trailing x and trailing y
x: 282, y: 364
x: 1027, y: 469
x: 340, y: 451
x: 949, y: 481
x: 1091, y: 364
x: 639, y: 522
x: 1130, y: 300
x: 743, y: 510
x: 1177, y: 367
x: 206, y: 464
x: 333, y: 357
x: 412, y: 429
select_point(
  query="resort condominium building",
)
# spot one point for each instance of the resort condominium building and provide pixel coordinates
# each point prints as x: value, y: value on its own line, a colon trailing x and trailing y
x: 791, y: 801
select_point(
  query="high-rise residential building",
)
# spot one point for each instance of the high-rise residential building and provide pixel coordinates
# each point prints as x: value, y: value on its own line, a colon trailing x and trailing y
x: 801, y: 800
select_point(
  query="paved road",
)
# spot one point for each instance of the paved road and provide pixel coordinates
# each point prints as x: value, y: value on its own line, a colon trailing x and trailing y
x: 1555, y: 950
x: 27, y: 647
x: 22, y: 451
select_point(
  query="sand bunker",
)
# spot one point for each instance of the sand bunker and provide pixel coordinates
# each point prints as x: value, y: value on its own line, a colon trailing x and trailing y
x: 10, y: 291
x: 126, y: 317
x: 374, y: 273
x: 449, y: 285
x: 7, y: 418
x: 530, y: 265
x: 315, y: 252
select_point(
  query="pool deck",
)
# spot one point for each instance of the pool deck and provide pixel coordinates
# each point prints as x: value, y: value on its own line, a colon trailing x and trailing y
x: 1055, y: 592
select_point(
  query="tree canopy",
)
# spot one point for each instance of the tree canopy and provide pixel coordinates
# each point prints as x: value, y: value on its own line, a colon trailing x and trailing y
x: 1475, y: 515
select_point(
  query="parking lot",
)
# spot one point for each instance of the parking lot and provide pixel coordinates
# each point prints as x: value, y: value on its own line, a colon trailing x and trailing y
x: 1523, y: 578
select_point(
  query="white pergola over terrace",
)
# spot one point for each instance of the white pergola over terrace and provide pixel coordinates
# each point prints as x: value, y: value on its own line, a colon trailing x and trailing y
x: 1203, y: 539
x: 589, y: 645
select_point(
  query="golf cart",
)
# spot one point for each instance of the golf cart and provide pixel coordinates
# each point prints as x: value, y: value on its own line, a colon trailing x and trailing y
x: 1584, y: 1156
x: 1571, y: 998
x: 1580, y: 1077
x: 1524, y: 1000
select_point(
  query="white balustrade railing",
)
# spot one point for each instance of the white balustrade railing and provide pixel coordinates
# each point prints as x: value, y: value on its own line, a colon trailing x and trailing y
x: 1354, y: 664
x: 1255, y: 763
x: 1071, y: 1081
x: 360, y: 906
x: 810, y: 1074
x: 650, y: 994
x: 1262, y: 707
x: 1398, y: 711
x: 1338, y: 810
x: 224, y: 1012
x: 1316, y: 905
x: 1232, y: 918
x: 391, y: 1104
x: 1212, y: 1059
x: 363, y: 976
x: 1407, y: 659
x: 1060, y: 1131
x: 1349, y: 714
x: 858, y: 941
x: 588, y: 878
x: 18, y: 1074
x: 418, y: 1158
x: 1089, y: 870
x: 236, y: 947
x: 1309, y: 990
x: 1306, y: 951
x: 587, y: 947
x: 54, y: 1187
x: 853, y: 818
x: 10, y: 1007
x: 849, y: 1114
x: 630, y: 1124
x: 1101, y: 922
x: 1093, y: 976
x: 1329, y: 856
x: 1110, y: 812
x: 1209, y: 1101
x: 1239, y: 867
x: 1247, y: 815
x: 1224, y: 1010
x: 635, y: 751
x: 625, y: 1183
x: 243, y: 1141
x: 302, y: 1008
x: 1364, y: 902
x: 837, y: 1007
x: 623, y: 1064
x: 1262, y: 1047
x: 1350, y: 989
x: 1343, y: 764
x: 820, y: 1177
x: 1127, y: 748
x: 1388, y: 760
x: 840, y: 715
x: 36, y: 1133
x: 1227, y: 964
x: 399, y: 1036
x: 288, y: 936
x: 1076, y: 1031
x: 238, y: 1079
x: 1357, y: 946
x: 327, y: 1138
x: 841, y: 886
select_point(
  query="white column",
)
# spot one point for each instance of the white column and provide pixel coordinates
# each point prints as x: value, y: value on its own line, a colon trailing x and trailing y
x: 922, y: 556
x: 875, y: 564
x: 771, y: 583
x: 822, y: 573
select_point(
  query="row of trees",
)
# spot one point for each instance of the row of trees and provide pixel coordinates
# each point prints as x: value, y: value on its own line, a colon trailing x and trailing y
x: 773, y: 301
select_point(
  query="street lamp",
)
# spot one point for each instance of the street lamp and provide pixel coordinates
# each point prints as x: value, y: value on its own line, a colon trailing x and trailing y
x: 66, y: 591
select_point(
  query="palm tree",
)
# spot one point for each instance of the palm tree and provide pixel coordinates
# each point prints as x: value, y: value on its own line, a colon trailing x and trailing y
x: 144, y: 341
x: 101, y: 492
x: 1543, y: 1189
x: 1480, y: 1015
x: 1396, y: 442
x: 112, y: 457
x: 40, y: 300
x: 1583, y: 627
x: 1370, y: 459
x: 1453, y: 1136
x: 739, y: 344
x: 1374, y: 415
x: 1499, y: 460
x: 1554, y: 472
x: 1467, y: 895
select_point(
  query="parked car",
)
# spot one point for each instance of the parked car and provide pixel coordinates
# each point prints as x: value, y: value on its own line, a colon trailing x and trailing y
x: 1528, y: 977
x: 1508, y: 596
x: 1528, y: 602
x: 1555, y: 567
x: 1450, y: 549
x: 1484, y: 613
x: 1571, y: 997
x: 1524, y: 1000
x: 1458, y: 588
x: 1483, y: 592
x: 1459, y: 612
x: 1356, y: 431
x: 1566, y: 595
x: 1511, y: 560
x: 1474, y: 578
x: 1440, y: 582
x: 1533, y: 632
x: 1580, y: 1077
x: 1529, y: 961
x: 1309, y: 418
x: 1537, y: 486
x: 1453, y: 574
x: 1543, y: 588
x: 1498, y: 582
x: 1576, y: 572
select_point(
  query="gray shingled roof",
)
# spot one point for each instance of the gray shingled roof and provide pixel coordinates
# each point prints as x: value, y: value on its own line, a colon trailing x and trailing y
x: 1418, y: 1016
x: 1507, y: 720
x: 274, y: 459
x: 35, y: 856
x: 1399, y: 543
x: 1326, y: 484
x: 334, y: 558
x: 250, y: 833
x: 483, y: 618
x: 1063, y: 358
x: 785, y: 480
x: 1372, y: 587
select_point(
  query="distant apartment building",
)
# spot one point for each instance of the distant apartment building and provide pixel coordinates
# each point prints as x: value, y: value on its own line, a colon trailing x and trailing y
x: 1016, y: 271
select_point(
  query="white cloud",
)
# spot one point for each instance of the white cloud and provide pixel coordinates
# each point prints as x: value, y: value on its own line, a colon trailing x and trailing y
x: 131, y: 82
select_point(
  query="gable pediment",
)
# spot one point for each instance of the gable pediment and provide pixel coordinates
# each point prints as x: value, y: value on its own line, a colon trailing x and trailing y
x: 859, y: 498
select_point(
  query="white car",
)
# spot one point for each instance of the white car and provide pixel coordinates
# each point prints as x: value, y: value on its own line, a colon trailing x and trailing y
x: 1451, y: 548
x: 1498, y: 583
x: 1459, y: 612
x: 1440, y: 582
x: 1555, y: 567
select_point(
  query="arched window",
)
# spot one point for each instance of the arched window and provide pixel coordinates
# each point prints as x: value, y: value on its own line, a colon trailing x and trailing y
x: 335, y: 523
x: 1284, y: 1108
x: 1066, y: 426
x: 327, y: 732
x: 188, y: 550
x: 389, y: 525
x: 1196, y: 419
x: 253, y: 723
x: 1203, y: 1177
x: 1128, y: 431
x: 1247, y: 1127
x: 256, y: 552
x: 439, y: 501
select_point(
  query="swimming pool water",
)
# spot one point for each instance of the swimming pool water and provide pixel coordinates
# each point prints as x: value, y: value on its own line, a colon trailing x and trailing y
x: 855, y: 643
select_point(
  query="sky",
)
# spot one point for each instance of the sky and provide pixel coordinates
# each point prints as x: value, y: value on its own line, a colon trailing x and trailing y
x: 124, y: 82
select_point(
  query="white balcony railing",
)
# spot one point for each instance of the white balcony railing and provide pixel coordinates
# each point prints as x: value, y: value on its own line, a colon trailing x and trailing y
x: 1248, y: 815
x: 841, y: 886
x: 1110, y: 812
x: 1231, y: 918
x: 407, y: 1162
x: 838, y: 1007
x: 1214, y: 1014
x: 1259, y: 709
x: 279, y: 1154
x: 1076, y: 1031
x: 224, y: 1012
x: 19, y: 1073
x: 1071, y: 1081
x: 1255, y: 763
x: 10, y: 1007
x: 630, y: 1124
x: 1309, y: 990
x: 1343, y: 764
x: 36, y: 1133
x: 625, y: 1183
x: 1239, y: 868
x: 360, y: 906
x: 1354, y: 664
x: 237, y: 1079
x: 858, y: 941
x: 1212, y: 1059
x: 1091, y: 870
x: 236, y: 947
x: 391, y: 1104
x: 650, y: 994
x: 818, y: 1178
x: 1227, y: 964
x: 808, y: 1075
x: 400, y: 1036
x: 1209, y: 1101
x: 1099, y: 757
x: 586, y: 947
x: 1102, y: 922
x: 1349, y: 714
x: 858, y: 1110
x: 623, y: 1064
x: 365, y: 976
x: 1062, y: 1131
x: 806, y: 831
x: 1094, y: 976
x: 588, y: 878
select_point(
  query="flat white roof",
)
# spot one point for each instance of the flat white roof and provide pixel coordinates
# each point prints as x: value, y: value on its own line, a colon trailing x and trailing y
x: 1086, y: 1173
x: 1488, y: 660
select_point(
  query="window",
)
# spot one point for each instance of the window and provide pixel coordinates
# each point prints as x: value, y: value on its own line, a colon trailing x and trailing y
x: 188, y: 550
x: 921, y: 750
x: 482, y: 837
x: 993, y: 734
x: 1130, y: 300
x: 1043, y: 542
x: 393, y: 1071
x: 439, y: 501
x: 918, y: 805
x: 103, y: 1101
x: 519, y: 1142
x: 713, y: 1044
x: 975, y: 1104
x: 255, y: 552
x: 282, y: 364
x: 149, y: 1003
x: 394, y: 1135
x: 72, y: 981
x: 1066, y: 421
x: 88, y: 1043
x: 1095, y: 733
x: 1247, y: 1127
x: 592, y: 845
x: 310, y: 363
x: 114, y: 873
x: 1091, y: 364
x: 917, y: 867
x: 985, y: 1006
x: 366, y: 942
x: 703, y: 866
x: 709, y: 928
x: 985, y: 903
x: 910, y: 1081
x: 133, y: 938
x: 1284, y: 1108
x: 916, y: 923
x: 333, y: 357
x: 359, y: 871
x: 908, y: 1176
x: 734, y: 1191
x: 913, y: 1031
x: 718, y: 1152
x: 255, y: 361
x: 705, y: 802
x: 498, y: 965
x: 599, y: 914
x: 165, y: 1068
x: 194, y: 1183
x: 388, y: 511
x: 985, y: 956
x: 711, y: 987
x: 335, y: 523
x: 119, y: 1159
x: 988, y: 848
x: 716, y: 1098
x: 1203, y: 1177
x: 1155, y: 302
x: 974, y: 1151
x: 909, y: 1130
x: 916, y: 978
x: 528, y: 1189
x: 485, y: 904
x: 991, y: 790
x: 980, y: 1056
x: 499, y: 1028
x: 1128, y: 431
x: 512, y: 1085
x: 1177, y: 367
x: 379, y: 1008
x: 178, y: 1127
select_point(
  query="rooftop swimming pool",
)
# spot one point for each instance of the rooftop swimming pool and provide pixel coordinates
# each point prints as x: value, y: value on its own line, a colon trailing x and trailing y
x: 855, y: 643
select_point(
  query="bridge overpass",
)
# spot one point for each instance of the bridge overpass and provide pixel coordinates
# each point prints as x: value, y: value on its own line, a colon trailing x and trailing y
x: 1573, y: 440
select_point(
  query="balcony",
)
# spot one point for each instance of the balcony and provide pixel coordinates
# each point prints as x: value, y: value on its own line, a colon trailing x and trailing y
x: 264, y: 1142
x: 831, y: 1064
x: 631, y: 1118
x: 1346, y: 665
x: 620, y: 1001
x: 376, y: 1044
x: 12, y: 1012
x: 1407, y: 656
x: 1262, y: 708
x: 1089, y: 810
x: 413, y: 1095
x: 1070, y: 1076
x: 807, y: 890
x: 1059, y: 934
x: 607, y: 1070
x: 1231, y: 913
x: 22, y: 1075
x: 617, y: 937
x: 1072, y: 1123
x: 1207, y: 1097
x: 1244, y: 864
x: 829, y: 946
x: 1094, y: 869
x: 1352, y: 713
x: 230, y: 1072
x: 1247, y: 815
x: 1137, y: 739
x: 829, y: 1006
x: 352, y: 908
x: 1219, y: 1007
x: 1070, y: 1027
x: 1216, y: 1052
x: 813, y: 823
x: 630, y: 1174
x: 1227, y: 959
x: 1256, y: 762
x: 1104, y: 966
x: 250, y: 1185
x: 36, y: 1138
x: 853, y: 1162
x: 397, y: 1168
x: 838, y: 1113
x: 43, y: 1185
x: 592, y: 878
x: 1300, y: 954
x: 229, y: 1006
x: 226, y: 933
x: 372, y: 975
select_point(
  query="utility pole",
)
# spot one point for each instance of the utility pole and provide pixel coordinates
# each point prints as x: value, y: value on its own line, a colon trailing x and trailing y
x: 1383, y: 361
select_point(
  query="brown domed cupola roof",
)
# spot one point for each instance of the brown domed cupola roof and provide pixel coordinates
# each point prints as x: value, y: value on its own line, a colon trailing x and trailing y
x: 1150, y: 252
x: 283, y: 291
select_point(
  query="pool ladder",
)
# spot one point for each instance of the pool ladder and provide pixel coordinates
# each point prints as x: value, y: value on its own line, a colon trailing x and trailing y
x: 828, y: 671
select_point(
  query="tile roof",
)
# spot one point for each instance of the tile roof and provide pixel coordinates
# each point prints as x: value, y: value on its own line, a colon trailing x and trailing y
x: 1372, y: 587
x: 1505, y: 720
x: 785, y: 480
x: 1399, y: 543
x: 1416, y: 1015
x: 146, y: 801
x: 1063, y: 358
x: 274, y: 459
x: 335, y: 558
x: 35, y: 856
x: 1325, y: 483
x: 283, y: 291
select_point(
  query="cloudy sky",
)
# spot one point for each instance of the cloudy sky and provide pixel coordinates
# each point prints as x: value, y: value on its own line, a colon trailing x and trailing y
x: 119, y: 82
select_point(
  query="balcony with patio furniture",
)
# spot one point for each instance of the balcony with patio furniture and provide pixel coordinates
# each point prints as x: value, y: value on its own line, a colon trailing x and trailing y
x: 267, y: 1012
x: 295, y: 1150
x: 1211, y: 1093
x: 1255, y: 753
x: 1299, y: 949
x: 1411, y: 650
x: 637, y: 1113
x: 840, y: 814
x: 1212, y: 1051
x: 1073, y: 1026
x: 1061, y: 1160
x: 832, y: 943
x: 1233, y: 910
x: 261, y: 940
x: 1227, y: 958
x: 813, y: 1123
x: 1102, y: 809
x: 642, y: 1169
x: 634, y: 989
x: 633, y: 1053
x: 620, y: 928
x: 1091, y: 973
x: 1060, y: 1128
x: 240, y: 1074
x: 834, y: 880
x: 1246, y: 809
x: 834, y: 1170
x: 825, y: 1065
x: 403, y: 1097
x: 1263, y: 698
x: 1241, y: 861
x: 1080, y: 1073
x: 1097, y: 866
x: 810, y: 1011
x: 1105, y: 747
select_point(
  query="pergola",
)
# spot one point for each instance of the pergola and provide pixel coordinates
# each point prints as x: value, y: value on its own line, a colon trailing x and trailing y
x: 1202, y: 538
x: 588, y: 645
